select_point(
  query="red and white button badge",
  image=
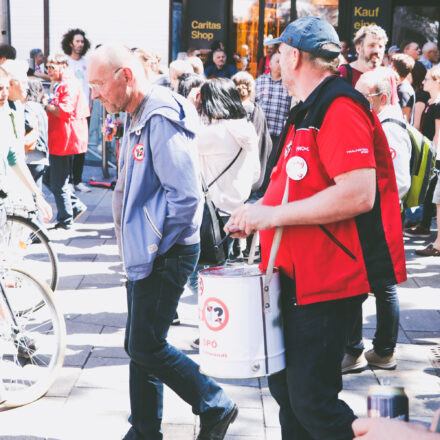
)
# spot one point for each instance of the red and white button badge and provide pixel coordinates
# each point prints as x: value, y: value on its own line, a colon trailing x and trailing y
x: 296, y: 168
x: 215, y: 314
x: 139, y: 152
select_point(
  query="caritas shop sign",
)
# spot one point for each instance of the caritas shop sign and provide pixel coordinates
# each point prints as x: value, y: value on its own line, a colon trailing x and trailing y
x: 366, y: 12
x: 205, y: 22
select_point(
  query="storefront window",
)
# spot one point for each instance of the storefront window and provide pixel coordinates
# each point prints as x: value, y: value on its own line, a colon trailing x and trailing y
x: 245, y: 28
x: 246, y: 15
x: 415, y: 23
x: 326, y: 9
x: 276, y: 18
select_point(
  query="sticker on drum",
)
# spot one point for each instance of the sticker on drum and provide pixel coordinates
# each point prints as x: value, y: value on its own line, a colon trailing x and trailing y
x: 215, y: 314
x: 296, y: 168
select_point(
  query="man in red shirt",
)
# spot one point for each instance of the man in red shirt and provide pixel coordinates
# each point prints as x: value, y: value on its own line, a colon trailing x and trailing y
x: 67, y: 112
x: 370, y: 42
x: 342, y: 231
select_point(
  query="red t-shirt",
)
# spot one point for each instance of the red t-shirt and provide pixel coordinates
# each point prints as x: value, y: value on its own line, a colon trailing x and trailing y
x: 329, y: 261
x: 356, y: 74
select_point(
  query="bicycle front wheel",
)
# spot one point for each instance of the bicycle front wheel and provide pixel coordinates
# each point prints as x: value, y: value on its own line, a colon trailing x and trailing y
x: 32, y: 343
x: 27, y: 247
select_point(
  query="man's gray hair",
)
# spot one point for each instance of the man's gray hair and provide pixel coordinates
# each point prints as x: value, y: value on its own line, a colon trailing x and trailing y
x: 430, y: 45
x: 373, y: 30
x: 380, y: 79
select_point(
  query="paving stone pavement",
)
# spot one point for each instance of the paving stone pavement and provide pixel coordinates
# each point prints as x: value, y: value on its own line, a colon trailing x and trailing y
x: 89, y: 400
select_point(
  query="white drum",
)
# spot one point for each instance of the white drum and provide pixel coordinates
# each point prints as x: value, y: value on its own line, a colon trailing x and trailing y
x: 241, y: 331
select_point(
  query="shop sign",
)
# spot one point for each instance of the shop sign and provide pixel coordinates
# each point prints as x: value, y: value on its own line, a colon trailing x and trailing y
x: 205, y: 22
x: 366, y: 12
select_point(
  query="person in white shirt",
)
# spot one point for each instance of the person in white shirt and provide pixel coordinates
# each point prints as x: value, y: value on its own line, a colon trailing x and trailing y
x: 377, y: 88
x: 227, y: 135
x: 75, y: 45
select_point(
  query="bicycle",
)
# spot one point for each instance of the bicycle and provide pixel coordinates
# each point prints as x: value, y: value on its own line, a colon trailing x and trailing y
x: 27, y: 244
x: 32, y: 339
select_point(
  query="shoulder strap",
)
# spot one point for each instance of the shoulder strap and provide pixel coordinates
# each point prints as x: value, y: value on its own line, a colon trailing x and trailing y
x: 349, y: 74
x: 226, y: 169
x: 395, y: 121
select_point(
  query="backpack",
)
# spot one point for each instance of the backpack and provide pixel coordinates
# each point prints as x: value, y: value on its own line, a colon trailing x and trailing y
x: 422, y: 164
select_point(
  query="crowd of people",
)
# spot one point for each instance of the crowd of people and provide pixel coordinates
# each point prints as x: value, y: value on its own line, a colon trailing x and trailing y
x: 323, y: 131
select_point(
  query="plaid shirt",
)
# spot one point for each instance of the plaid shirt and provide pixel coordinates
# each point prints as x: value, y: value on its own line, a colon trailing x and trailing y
x: 275, y: 101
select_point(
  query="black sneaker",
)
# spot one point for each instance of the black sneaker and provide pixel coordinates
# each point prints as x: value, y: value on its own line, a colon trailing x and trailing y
x: 176, y: 320
x: 77, y: 213
x: 218, y: 430
x: 65, y: 226
x: 195, y: 344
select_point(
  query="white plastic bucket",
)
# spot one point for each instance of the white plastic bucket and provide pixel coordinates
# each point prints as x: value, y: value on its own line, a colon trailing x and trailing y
x: 241, y: 332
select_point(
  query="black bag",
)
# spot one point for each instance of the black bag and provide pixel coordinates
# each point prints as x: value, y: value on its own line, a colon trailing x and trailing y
x: 211, y: 229
x: 211, y: 233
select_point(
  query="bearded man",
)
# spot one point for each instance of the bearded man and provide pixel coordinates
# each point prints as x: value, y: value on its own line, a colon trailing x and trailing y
x: 370, y: 42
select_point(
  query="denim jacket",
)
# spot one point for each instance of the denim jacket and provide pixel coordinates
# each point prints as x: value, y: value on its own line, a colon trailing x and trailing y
x: 162, y: 203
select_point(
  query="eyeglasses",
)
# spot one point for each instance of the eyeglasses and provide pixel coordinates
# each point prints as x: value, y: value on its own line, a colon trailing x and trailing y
x: 373, y: 94
x: 52, y: 66
x: 99, y: 86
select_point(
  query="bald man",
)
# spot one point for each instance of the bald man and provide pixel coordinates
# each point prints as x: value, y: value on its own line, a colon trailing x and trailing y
x: 157, y: 212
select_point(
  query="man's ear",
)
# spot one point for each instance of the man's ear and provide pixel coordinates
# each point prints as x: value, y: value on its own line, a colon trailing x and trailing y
x: 127, y: 73
x: 296, y: 57
x: 358, y: 48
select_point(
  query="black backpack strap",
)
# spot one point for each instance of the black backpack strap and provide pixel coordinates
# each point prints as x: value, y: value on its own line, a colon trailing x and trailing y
x: 349, y: 74
x: 226, y: 169
x: 395, y: 121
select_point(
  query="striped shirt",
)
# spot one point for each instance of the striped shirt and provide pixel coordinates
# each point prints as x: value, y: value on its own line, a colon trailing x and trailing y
x: 275, y: 101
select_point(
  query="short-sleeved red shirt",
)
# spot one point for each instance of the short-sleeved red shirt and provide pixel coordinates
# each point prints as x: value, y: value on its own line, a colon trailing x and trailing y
x: 340, y: 259
x: 68, y: 132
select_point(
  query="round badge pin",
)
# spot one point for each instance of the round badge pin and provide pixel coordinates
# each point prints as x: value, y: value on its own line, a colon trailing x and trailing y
x: 296, y: 168
x: 139, y: 152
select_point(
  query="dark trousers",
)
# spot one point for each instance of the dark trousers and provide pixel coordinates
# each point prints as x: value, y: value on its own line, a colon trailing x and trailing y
x: 67, y: 202
x: 307, y: 390
x: 77, y: 167
x: 387, y: 326
x: 152, y: 305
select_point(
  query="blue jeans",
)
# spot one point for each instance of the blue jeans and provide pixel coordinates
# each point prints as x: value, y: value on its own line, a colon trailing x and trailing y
x: 387, y: 327
x: 152, y: 304
x: 307, y: 389
x: 66, y: 200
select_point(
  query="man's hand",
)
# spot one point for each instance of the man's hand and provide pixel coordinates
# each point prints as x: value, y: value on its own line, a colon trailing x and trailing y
x: 250, y: 218
x: 388, y: 429
x: 44, y: 207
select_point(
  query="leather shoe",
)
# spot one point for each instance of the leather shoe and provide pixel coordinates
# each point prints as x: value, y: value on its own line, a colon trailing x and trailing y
x: 218, y: 430
x: 428, y: 251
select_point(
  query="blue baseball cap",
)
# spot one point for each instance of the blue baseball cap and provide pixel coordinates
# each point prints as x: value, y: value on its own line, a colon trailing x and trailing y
x: 309, y: 34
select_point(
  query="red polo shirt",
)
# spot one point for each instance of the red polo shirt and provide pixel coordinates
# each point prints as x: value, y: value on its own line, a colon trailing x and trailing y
x: 348, y: 257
